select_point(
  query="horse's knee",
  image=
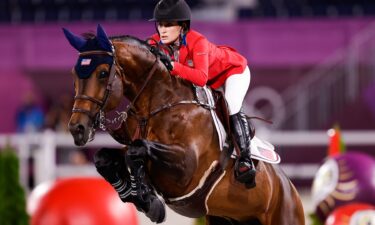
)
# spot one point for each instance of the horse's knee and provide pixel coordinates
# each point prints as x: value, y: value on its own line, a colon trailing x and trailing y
x: 108, y: 156
x: 137, y: 150
x: 110, y: 163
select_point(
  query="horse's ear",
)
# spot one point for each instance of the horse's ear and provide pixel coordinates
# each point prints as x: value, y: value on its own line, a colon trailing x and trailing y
x: 103, y: 39
x: 76, y: 41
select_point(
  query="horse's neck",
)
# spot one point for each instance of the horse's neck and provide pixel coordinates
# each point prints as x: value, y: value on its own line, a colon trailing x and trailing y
x: 165, y: 89
x: 150, y: 89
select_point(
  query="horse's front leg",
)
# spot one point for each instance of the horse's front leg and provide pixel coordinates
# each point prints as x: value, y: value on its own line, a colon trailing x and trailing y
x: 114, y: 164
x: 144, y: 195
x: 110, y: 164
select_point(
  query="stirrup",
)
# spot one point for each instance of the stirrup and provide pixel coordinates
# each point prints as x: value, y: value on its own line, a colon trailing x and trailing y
x: 246, y: 177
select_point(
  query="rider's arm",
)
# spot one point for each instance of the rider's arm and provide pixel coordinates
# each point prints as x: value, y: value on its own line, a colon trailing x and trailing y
x: 199, y: 73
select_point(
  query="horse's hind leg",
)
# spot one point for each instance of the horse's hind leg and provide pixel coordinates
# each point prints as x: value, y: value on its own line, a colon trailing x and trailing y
x: 110, y: 163
x: 290, y: 209
x: 216, y: 220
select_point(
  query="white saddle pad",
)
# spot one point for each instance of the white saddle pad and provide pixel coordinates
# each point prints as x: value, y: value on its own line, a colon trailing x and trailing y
x: 264, y: 151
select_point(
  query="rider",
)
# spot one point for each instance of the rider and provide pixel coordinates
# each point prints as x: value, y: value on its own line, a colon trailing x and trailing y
x: 201, y: 62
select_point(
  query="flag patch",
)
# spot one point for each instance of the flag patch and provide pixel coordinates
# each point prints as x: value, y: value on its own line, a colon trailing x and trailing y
x: 85, y: 62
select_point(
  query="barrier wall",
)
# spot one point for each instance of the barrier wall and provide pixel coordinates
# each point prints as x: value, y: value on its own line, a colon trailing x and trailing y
x: 264, y: 43
x: 30, y: 49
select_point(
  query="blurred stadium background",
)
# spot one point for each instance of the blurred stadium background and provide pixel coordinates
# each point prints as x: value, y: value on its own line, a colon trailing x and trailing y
x: 312, y: 64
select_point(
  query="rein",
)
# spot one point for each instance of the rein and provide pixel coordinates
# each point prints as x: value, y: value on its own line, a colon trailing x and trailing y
x: 142, y: 121
x: 152, y: 70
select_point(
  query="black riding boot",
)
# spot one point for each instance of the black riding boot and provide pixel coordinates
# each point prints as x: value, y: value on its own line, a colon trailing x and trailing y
x: 244, y: 167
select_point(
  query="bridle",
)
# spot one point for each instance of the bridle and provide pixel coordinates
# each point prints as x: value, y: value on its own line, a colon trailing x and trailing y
x: 101, y: 103
x: 99, y: 118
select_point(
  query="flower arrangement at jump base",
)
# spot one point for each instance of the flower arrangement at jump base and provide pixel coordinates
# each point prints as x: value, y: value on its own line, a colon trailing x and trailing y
x: 12, y: 194
x: 343, y: 191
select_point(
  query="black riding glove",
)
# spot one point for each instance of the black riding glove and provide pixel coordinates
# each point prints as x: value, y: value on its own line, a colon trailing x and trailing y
x: 166, y: 60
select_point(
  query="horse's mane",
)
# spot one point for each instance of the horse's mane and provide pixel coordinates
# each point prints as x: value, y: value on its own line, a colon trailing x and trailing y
x: 123, y: 38
x: 131, y: 40
x: 88, y: 35
x: 142, y: 44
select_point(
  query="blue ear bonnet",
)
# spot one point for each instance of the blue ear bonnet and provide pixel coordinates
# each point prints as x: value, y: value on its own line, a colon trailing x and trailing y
x: 86, y: 65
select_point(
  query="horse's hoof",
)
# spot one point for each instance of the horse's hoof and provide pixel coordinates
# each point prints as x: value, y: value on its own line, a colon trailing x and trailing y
x: 156, y: 212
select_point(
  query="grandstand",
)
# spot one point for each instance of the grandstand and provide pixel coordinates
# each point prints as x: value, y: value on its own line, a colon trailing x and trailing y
x: 41, y: 11
x: 308, y: 8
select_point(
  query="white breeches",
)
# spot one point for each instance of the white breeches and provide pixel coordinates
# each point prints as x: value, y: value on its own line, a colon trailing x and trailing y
x: 235, y: 90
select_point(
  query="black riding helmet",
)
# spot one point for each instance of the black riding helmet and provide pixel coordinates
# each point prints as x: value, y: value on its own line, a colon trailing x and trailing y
x: 172, y: 10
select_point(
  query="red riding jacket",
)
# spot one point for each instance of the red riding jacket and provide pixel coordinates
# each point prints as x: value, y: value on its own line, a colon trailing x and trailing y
x: 203, y: 62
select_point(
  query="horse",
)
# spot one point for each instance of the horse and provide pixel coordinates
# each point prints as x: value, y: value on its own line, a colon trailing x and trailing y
x: 171, y: 147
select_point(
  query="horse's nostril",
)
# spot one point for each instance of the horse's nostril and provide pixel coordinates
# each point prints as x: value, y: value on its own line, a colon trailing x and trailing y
x: 80, y: 128
x: 76, y: 128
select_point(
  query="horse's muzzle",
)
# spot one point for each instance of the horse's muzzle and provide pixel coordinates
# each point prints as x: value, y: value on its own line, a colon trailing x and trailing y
x: 80, y: 133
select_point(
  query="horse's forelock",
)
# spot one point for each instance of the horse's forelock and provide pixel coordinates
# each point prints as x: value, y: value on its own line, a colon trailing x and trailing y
x: 89, y: 35
x: 92, y: 42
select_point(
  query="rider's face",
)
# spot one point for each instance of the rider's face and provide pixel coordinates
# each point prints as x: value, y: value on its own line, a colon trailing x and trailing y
x: 169, y: 31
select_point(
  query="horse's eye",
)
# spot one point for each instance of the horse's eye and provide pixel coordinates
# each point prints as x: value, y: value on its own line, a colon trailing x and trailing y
x: 103, y: 74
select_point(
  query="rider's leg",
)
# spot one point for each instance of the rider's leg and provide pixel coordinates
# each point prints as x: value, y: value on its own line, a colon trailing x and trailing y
x: 245, y: 171
x: 236, y: 87
x: 110, y: 163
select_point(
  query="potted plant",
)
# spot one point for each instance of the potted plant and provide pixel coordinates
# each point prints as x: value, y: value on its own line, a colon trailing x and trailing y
x: 12, y: 194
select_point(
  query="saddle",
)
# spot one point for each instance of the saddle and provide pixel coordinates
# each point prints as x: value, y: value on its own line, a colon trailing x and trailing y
x: 211, y: 98
x: 214, y: 101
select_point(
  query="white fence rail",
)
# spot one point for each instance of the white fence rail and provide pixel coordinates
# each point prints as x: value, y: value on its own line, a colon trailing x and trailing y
x: 43, y: 146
